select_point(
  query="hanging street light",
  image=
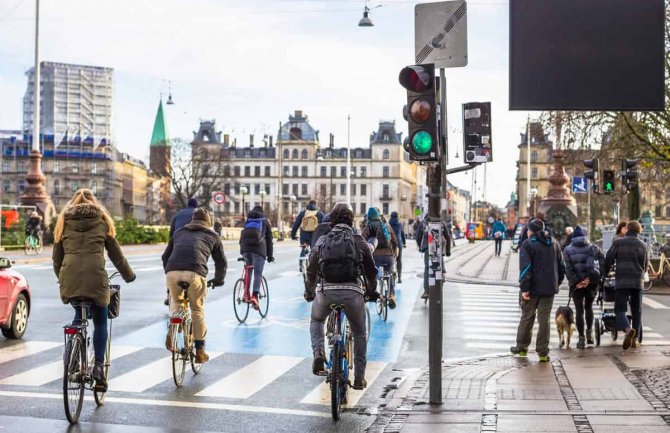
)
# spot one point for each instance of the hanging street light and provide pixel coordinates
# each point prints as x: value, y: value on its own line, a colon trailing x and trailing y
x: 365, y: 21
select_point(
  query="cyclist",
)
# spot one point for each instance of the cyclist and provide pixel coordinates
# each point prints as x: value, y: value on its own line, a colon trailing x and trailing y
x: 399, y: 231
x: 335, y: 266
x: 34, y: 225
x: 180, y: 219
x: 84, y: 230
x: 307, y: 221
x: 185, y: 260
x: 256, y: 247
x: 387, y: 246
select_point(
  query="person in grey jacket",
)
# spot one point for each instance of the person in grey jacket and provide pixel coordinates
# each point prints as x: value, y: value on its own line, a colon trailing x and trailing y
x: 580, y: 256
x: 631, y: 257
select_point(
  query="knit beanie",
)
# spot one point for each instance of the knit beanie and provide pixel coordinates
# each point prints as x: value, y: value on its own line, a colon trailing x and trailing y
x: 579, y: 232
x: 201, y: 216
x: 536, y: 225
x: 192, y: 202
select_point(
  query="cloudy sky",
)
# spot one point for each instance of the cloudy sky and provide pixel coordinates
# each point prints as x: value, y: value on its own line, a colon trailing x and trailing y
x: 249, y: 64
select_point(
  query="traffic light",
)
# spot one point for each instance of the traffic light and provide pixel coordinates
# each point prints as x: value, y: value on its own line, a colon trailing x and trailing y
x: 477, y: 132
x: 629, y: 174
x: 421, y: 112
x: 609, y: 179
x: 592, y: 174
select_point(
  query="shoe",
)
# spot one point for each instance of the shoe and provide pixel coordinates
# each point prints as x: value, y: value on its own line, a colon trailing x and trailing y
x: 166, y: 302
x: 628, y: 339
x: 545, y: 358
x: 518, y: 351
x: 399, y: 280
x: 99, y: 377
x: 319, y: 363
x: 581, y: 343
x: 254, y: 302
x: 424, y: 295
x: 201, y: 356
x: 392, y: 302
x: 360, y: 383
x: 168, y: 341
x: 636, y: 344
x: 589, y: 336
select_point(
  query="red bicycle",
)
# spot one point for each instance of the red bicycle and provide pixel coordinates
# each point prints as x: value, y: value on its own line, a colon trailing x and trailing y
x: 242, y: 294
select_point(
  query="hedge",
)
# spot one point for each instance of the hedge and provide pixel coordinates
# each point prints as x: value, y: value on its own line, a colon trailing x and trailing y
x: 129, y: 232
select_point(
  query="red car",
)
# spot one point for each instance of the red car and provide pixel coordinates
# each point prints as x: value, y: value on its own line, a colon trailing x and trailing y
x: 14, y: 301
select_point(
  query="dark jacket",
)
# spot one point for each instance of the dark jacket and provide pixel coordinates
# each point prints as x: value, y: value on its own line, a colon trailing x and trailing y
x: 567, y: 241
x: 541, y: 265
x: 305, y: 237
x: 374, y: 228
x: 366, y: 265
x: 189, y: 250
x: 79, y: 257
x: 321, y: 230
x: 524, y: 232
x: 399, y: 231
x: 249, y: 245
x: 575, y: 257
x: 181, y: 218
x: 421, y: 237
x: 631, y: 257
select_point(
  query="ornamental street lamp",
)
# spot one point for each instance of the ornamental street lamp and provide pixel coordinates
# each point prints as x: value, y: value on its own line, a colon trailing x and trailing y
x: 293, y: 202
x: 244, y: 191
x: 263, y: 194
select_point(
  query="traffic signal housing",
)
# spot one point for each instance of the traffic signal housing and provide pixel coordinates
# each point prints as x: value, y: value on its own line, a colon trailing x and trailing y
x: 629, y: 175
x: 593, y: 174
x: 421, y: 112
x: 609, y: 181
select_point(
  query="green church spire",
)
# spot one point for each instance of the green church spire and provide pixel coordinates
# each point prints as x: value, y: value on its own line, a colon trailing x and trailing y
x: 160, y: 135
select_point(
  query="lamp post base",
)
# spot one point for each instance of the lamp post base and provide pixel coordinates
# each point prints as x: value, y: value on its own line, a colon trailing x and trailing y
x: 35, y: 193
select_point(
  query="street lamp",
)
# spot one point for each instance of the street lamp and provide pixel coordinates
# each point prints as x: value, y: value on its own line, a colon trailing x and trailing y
x: 263, y: 193
x: 293, y: 202
x: 533, y: 194
x: 244, y: 191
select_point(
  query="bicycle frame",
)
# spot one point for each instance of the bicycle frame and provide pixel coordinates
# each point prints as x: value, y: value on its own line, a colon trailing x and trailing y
x: 71, y: 330
x: 246, y: 276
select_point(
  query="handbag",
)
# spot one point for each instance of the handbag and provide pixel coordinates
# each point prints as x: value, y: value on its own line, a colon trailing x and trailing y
x: 114, y: 301
x: 645, y: 276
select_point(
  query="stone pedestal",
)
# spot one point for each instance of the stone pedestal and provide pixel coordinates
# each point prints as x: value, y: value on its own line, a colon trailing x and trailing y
x: 559, y: 206
x: 35, y: 193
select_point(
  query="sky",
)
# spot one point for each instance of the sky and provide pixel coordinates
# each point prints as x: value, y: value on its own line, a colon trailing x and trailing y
x: 249, y: 64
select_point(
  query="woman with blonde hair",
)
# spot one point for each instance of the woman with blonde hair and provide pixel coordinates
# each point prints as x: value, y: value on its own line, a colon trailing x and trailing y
x: 84, y: 229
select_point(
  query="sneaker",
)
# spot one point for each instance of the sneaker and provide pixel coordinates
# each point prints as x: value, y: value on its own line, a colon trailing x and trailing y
x: 391, y: 302
x: 581, y: 344
x: 360, y: 383
x: 424, y: 295
x: 254, y: 302
x: 201, y: 356
x: 628, y: 339
x: 636, y: 344
x: 99, y: 377
x: 319, y: 363
x: 545, y: 358
x: 589, y: 336
x: 518, y: 351
x: 168, y: 341
x: 166, y: 302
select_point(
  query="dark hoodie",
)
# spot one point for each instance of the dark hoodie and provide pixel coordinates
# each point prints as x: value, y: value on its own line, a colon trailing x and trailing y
x: 398, y: 228
x: 321, y: 229
x: 541, y: 265
x: 248, y: 243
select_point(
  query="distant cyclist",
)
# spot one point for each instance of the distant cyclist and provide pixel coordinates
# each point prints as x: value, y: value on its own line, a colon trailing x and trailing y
x: 307, y: 221
x: 256, y: 247
x: 181, y: 218
x: 387, y: 246
x: 399, y: 231
x: 84, y: 230
x: 34, y: 225
x: 335, y: 266
x: 185, y: 260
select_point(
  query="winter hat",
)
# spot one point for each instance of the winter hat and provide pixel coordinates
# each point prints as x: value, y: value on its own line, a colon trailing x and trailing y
x: 192, y: 202
x: 536, y: 225
x: 326, y: 218
x: 579, y: 232
x: 394, y: 214
x: 202, y: 216
x: 373, y: 214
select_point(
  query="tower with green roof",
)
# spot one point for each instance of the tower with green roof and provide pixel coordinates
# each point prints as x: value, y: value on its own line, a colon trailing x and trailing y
x: 159, y: 150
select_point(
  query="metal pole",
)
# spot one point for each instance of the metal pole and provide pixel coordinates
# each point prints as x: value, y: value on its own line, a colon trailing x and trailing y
x: 348, y: 159
x: 528, y: 164
x: 589, y: 186
x: 280, y: 188
x: 36, y: 79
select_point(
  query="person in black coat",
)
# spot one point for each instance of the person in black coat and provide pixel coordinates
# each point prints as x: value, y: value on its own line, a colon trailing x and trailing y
x: 256, y: 247
x: 181, y: 218
x: 322, y: 229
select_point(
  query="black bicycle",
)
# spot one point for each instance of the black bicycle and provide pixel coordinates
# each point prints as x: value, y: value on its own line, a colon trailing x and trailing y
x: 78, y: 360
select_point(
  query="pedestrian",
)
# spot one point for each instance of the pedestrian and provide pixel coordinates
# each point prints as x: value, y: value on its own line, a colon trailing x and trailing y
x: 569, y: 232
x: 630, y: 257
x: 422, y: 242
x: 387, y: 246
x: 583, y: 262
x: 256, y: 248
x: 498, y: 235
x: 181, y: 218
x: 621, y: 230
x: 542, y: 271
x: 399, y: 230
x: 547, y: 228
x: 218, y: 227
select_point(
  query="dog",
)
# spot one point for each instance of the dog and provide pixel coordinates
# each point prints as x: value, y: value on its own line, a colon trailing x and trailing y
x: 565, y: 324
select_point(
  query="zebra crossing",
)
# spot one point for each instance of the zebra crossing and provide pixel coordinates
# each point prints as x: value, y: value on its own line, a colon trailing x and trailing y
x: 37, y: 366
x: 489, y: 317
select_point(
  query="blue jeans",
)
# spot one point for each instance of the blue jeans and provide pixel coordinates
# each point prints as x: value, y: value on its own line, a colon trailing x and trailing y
x: 258, y: 262
x: 622, y: 296
x: 389, y: 263
x: 99, y: 316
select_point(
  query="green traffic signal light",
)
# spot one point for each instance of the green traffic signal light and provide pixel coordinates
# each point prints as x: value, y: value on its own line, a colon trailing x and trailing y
x: 609, y: 186
x: 422, y: 142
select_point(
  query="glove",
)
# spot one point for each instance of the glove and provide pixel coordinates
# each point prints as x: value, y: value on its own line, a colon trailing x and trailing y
x: 271, y: 259
x: 372, y: 228
x: 372, y: 296
x: 309, y: 295
x: 295, y: 238
x: 131, y: 279
x: 214, y: 283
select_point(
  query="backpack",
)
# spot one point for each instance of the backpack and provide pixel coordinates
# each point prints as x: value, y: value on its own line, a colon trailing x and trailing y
x: 253, y: 233
x: 338, y: 256
x: 593, y: 268
x: 309, y: 221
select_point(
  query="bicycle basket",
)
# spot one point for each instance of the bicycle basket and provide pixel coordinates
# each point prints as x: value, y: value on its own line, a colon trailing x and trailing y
x: 114, y: 301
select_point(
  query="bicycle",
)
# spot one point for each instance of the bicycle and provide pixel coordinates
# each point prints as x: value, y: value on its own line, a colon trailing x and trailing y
x: 78, y: 361
x: 182, y: 343
x: 340, y: 359
x: 32, y: 243
x: 302, y: 261
x: 242, y: 294
x: 663, y: 272
x: 384, y: 284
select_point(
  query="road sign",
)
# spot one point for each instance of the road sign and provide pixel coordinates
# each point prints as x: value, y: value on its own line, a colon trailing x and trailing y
x: 580, y: 184
x: 219, y: 197
x: 440, y: 34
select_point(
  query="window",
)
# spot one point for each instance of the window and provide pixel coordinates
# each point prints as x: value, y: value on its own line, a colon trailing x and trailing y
x: 6, y: 185
x: 286, y: 153
x: 343, y: 189
x: 533, y: 172
x: 267, y: 171
x: 364, y: 171
x: 332, y: 189
x: 294, y: 171
x: 304, y: 190
x: 236, y: 170
x: 385, y: 208
x: 286, y: 170
x: 353, y: 189
x: 75, y: 186
x: 333, y: 171
x: 323, y: 191
x: 363, y: 207
x: 94, y: 168
x: 295, y: 189
x: 385, y: 172
x: 257, y: 188
x: 386, y: 137
x: 56, y: 166
x: 385, y: 190
x: 284, y: 189
x: 75, y: 167
x: 303, y: 155
x: 237, y: 207
x: 343, y: 171
x: 364, y: 190
x: 386, y: 154
x: 21, y: 167
x: 94, y: 187
x: 296, y: 134
x: 294, y: 154
x: 257, y: 171
x: 226, y: 189
x: 667, y: 212
x: 286, y: 208
x: 21, y: 185
x: 324, y: 172
x: 353, y: 171
x: 226, y: 171
x: 247, y: 171
x: 267, y: 188
x: 533, y: 156
x: 237, y: 189
x: 304, y: 171
x: 5, y: 166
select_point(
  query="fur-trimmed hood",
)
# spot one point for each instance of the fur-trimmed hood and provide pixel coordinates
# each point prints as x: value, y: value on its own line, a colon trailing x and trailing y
x: 83, y: 210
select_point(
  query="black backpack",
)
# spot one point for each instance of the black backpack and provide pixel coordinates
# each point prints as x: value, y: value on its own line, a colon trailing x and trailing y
x: 338, y: 256
x: 593, y: 266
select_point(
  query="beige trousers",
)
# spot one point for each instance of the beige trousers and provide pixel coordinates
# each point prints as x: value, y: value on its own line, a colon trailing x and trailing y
x: 197, y: 292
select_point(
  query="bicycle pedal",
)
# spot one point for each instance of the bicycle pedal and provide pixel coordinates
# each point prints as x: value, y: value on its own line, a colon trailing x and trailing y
x: 323, y: 373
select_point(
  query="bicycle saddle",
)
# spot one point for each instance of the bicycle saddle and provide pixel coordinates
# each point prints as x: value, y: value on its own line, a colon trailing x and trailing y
x: 183, y: 284
x: 81, y: 302
x: 336, y: 306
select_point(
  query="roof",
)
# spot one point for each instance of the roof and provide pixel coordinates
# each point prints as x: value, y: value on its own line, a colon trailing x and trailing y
x: 386, y: 134
x: 160, y: 135
x: 297, y: 129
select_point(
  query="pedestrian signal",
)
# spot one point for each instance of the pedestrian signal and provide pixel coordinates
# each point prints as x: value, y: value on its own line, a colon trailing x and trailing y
x: 609, y: 179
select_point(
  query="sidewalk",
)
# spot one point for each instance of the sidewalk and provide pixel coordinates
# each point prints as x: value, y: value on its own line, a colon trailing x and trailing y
x: 476, y: 264
x: 594, y: 390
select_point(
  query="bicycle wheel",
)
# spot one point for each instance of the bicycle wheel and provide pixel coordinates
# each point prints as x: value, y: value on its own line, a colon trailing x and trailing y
x: 264, y: 298
x: 368, y: 324
x: 239, y: 305
x: 385, y: 298
x: 99, y: 396
x: 74, y: 363
x: 380, y: 299
x: 27, y: 246
x: 335, y: 382
x: 349, y: 353
x: 666, y: 274
x: 196, y: 367
x: 178, y: 353
x: 648, y: 284
x: 39, y: 247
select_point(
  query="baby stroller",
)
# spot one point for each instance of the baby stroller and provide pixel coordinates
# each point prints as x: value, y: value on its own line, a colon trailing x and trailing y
x: 606, y: 320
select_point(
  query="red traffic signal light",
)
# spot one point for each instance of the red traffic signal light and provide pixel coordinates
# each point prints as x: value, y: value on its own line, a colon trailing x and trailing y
x: 417, y: 78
